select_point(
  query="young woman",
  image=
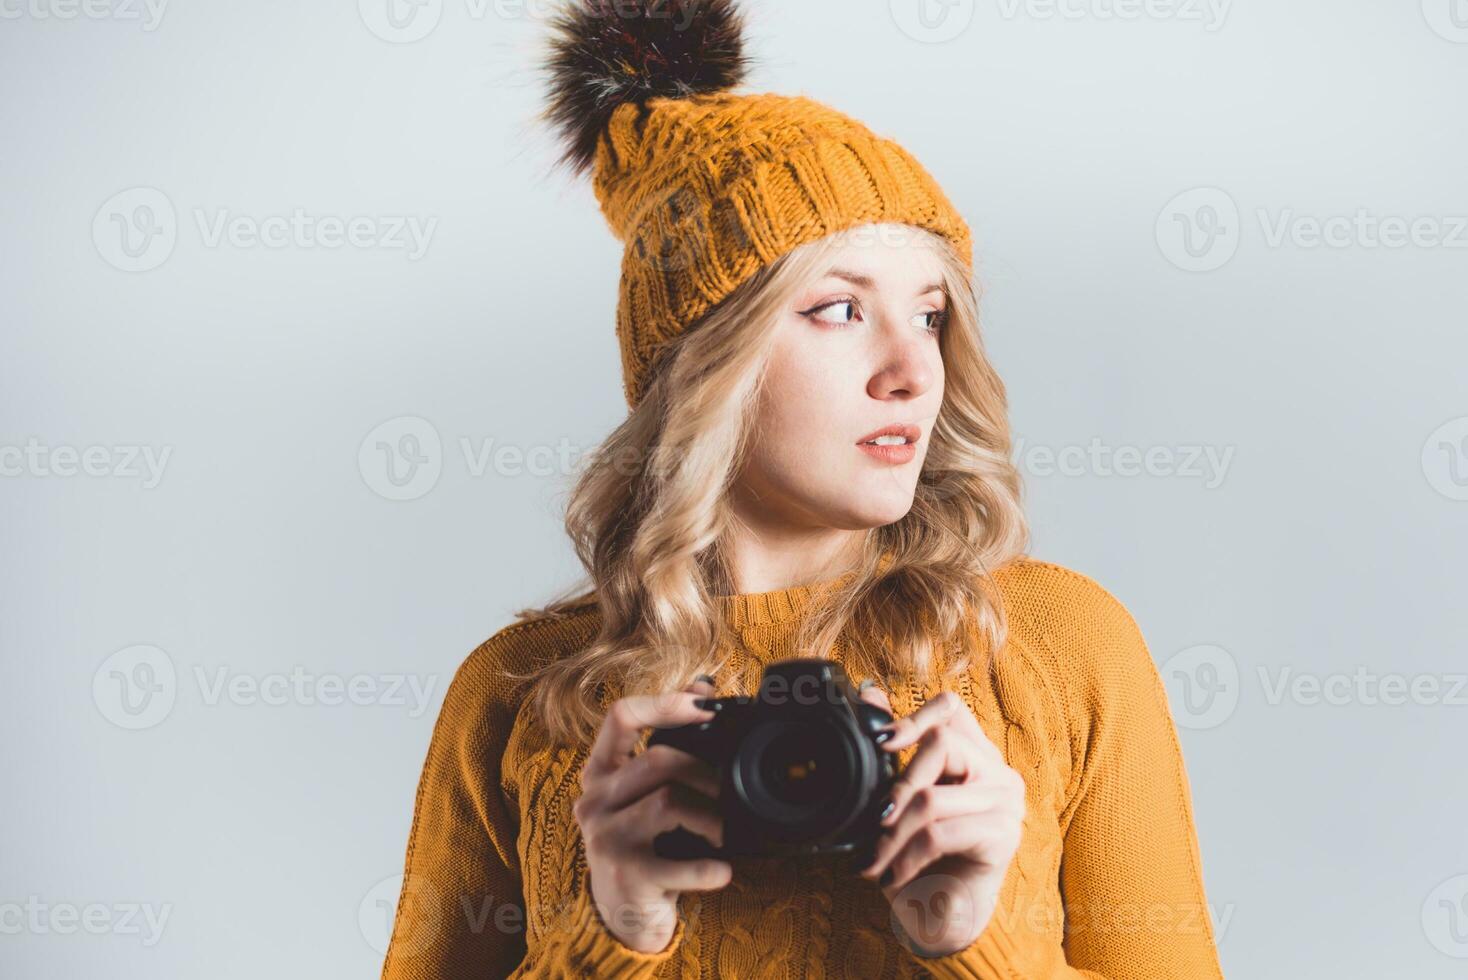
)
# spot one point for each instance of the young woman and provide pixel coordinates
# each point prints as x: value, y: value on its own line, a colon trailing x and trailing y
x: 816, y: 463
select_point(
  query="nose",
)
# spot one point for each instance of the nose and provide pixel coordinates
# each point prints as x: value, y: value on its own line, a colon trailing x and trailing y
x: 903, y: 360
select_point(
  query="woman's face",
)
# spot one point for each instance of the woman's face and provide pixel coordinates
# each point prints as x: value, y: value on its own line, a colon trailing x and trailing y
x: 856, y: 353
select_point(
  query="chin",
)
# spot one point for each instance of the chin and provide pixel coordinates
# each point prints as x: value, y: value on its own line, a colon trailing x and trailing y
x: 875, y: 513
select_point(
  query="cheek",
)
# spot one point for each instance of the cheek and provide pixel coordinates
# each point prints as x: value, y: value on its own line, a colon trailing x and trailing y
x: 808, y: 403
x: 812, y: 367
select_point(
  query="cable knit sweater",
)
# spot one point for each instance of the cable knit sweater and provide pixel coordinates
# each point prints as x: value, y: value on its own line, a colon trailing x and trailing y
x: 1107, y: 881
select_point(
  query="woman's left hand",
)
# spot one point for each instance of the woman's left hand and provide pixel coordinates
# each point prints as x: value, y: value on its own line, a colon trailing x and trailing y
x: 955, y: 825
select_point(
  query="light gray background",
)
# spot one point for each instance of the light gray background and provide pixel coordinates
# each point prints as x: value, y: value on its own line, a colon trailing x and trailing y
x: 269, y: 834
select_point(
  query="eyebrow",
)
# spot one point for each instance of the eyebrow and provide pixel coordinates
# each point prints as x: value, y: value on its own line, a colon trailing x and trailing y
x: 867, y: 282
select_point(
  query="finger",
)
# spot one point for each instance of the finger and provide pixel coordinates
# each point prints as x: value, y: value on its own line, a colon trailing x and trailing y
x: 703, y: 684
x: 973, y: 833
x: 943, y: 753
x: 964, y: 719
x: 666, y: 808
x: 621, y: 730
x: 659, y: 764
x: 929, y: 805
x: 870, y: 692
x: 932, y: 714
x: 691, y: 875
x: 947, y: 757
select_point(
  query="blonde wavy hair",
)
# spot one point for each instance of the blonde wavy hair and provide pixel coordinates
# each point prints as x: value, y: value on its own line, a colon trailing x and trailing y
x: 649, y: 516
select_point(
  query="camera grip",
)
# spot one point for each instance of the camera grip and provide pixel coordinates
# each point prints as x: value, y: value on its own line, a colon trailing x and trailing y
x: 698, y: 740
x: 680, y: 844
x: 870, y: 716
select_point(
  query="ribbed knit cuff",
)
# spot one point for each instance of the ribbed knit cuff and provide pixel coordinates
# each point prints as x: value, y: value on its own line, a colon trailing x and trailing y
x: 992, y: 956
x: 592, y: 950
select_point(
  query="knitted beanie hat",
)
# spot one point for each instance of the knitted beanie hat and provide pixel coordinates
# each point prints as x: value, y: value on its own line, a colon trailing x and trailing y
x: 702, y: 185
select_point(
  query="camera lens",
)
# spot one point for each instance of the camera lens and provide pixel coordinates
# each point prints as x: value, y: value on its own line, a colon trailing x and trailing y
x: 803, y: 766
x: 799, y: 779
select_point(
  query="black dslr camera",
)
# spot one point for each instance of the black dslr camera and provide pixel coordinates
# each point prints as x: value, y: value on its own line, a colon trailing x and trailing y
x: 802, y: 770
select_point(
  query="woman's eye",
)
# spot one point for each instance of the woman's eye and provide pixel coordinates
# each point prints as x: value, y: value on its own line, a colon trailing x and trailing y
x: 933, y: 320
x: 843, y: 304
x: 845, y: 311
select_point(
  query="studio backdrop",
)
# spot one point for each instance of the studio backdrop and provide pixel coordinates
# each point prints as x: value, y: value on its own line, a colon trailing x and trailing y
x: 302, y: 341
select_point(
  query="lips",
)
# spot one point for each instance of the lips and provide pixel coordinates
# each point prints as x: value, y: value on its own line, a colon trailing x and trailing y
x: 908, y: 432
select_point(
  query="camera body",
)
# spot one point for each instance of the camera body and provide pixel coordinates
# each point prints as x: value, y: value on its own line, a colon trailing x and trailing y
x: 800, y: 767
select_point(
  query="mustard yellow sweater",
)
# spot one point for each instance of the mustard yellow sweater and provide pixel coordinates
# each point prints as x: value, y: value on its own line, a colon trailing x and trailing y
x: 1107, y: 882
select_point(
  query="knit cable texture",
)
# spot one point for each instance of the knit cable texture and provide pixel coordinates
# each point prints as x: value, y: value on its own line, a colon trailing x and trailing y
x: 1107, y: 882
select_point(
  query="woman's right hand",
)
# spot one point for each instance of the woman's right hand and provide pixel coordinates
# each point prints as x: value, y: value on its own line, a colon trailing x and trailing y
x: 628, y: 798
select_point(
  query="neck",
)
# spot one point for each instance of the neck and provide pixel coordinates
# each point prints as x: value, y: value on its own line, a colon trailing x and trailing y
x: 763, y: 559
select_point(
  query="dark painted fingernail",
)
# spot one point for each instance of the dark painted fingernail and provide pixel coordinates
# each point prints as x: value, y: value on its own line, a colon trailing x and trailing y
x: 883, y: 737
x: 708, y: 704
x: 705, y: 678
x: 886, y: 878
x: 887, y: 809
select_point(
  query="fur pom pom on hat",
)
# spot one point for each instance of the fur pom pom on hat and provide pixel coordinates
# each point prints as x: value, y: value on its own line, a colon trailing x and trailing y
x: 704, y: 185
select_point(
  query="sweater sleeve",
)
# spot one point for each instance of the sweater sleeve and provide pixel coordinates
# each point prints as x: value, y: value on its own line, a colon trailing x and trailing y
x: 1130, y: 874
x: 461, y: 912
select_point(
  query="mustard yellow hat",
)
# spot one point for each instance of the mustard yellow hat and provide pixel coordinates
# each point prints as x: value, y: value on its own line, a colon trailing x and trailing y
x: 704, y: 185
